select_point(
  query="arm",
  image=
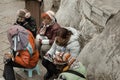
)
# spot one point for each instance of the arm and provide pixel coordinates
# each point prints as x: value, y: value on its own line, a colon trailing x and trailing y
x: 39, y: 28
x: 74, y: 48
x: 52, y: 49
x: 49, y: 55
x: 50, y: 41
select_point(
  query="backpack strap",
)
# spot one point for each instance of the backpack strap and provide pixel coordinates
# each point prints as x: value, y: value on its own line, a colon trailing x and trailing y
x: 29, y: 48
x: 76, y: 73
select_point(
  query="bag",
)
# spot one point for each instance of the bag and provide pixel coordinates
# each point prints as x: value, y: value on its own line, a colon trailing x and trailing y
x: 20, y: 37
x: 76, y: 72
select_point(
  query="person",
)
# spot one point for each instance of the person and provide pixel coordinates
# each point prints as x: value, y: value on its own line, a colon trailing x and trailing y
x: 26, y: 20
x: 23, y: 53
x: 66, y: 42
x: 47, y: 32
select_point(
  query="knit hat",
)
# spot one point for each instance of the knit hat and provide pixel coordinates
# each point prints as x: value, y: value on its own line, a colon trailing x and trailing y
x: 51, y: 14
x: 23, y: 13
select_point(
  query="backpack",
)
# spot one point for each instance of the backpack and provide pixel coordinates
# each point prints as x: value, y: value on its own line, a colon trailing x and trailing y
x: 18, y: 38
x: 77, y: 71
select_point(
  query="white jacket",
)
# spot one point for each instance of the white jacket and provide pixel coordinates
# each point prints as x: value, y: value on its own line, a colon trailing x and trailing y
x: 73, y: 46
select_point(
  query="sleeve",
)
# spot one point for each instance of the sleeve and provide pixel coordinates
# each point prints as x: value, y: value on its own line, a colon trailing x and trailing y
x: 45, y: 41
x: 39, y: 28
x: 74, y: 49
x: 52, y: 49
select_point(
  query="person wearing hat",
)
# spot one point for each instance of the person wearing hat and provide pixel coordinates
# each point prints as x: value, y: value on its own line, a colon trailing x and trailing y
x: 63, y: 52
x: 22, y: 54
x: 25, y: 19
x: 47, y: 32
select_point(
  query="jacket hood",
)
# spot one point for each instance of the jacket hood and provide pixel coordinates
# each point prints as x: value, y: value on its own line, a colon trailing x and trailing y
x: 74, y: 36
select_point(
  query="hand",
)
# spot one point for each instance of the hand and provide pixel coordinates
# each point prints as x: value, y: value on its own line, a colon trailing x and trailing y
x: 57, y: 58
x: 8, y: 55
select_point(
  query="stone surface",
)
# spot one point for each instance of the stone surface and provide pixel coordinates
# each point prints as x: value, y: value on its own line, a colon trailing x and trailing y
x: 109, y: 5
x: 97, y: 11
x: 101, y: 55
x: 88, y: 29
x: 86, y: 8
x: 68, y: 13
x: 51, y: 5
x: 48, y: 4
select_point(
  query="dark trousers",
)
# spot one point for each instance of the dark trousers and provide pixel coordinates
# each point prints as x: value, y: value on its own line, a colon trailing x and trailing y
x: 51, y: 68
x: 8, y: 72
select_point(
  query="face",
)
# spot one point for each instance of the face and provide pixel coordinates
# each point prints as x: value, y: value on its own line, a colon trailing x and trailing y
x: 21, y: 19
x: 46, y: 20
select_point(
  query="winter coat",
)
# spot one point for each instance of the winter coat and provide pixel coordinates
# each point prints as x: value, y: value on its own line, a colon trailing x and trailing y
x: 29, y: 24
x: 25, y: 58
x: 51, y: 32
x: 73, y: 46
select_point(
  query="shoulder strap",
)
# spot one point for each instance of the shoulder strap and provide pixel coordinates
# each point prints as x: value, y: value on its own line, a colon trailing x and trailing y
x: 29, y: 47
x: 76, y: 73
